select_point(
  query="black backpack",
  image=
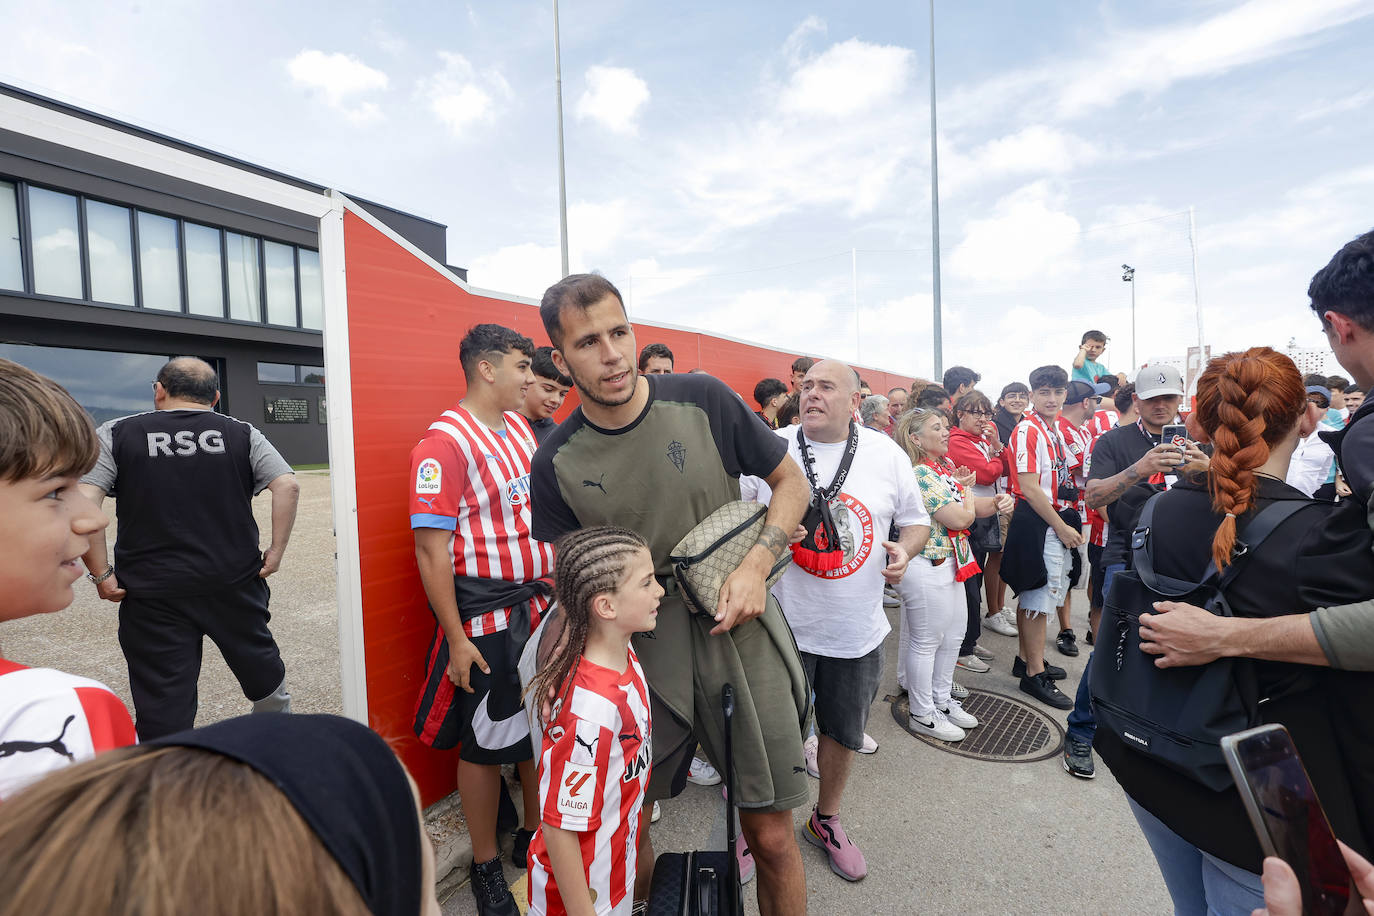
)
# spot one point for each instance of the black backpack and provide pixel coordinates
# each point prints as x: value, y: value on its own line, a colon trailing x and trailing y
x: 1176, y: 716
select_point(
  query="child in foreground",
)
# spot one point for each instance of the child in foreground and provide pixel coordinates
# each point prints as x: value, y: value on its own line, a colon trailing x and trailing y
x: 48, y: 719
x: 595, y: 758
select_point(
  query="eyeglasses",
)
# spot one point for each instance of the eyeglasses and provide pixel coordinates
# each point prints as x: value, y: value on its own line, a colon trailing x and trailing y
x: 978, y: 412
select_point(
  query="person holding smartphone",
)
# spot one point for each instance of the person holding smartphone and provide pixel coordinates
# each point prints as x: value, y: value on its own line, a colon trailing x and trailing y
x: 1252, y: 407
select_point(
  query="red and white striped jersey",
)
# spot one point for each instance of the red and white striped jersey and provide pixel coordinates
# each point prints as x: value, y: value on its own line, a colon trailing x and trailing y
x: 50, y: 719
x: 1037, y: 449
x: 1102, y: 421
x: 474, y: 481
x: 1078, y: 441
x: 593, y: 771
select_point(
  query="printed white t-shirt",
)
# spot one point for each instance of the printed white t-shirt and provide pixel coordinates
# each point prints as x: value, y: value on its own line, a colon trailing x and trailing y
x: 839, y: 613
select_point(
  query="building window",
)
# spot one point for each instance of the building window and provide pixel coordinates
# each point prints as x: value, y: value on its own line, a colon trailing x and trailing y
x: 55, y: 230
x: 279, y: 262
x: 312, y: 290
x: 204, y: 274
x: 245, y: 279
x: 290, y: 374
x: 11, y: 253
x: 159, y: 262
x: 106, y: 384
x: 110, y: 247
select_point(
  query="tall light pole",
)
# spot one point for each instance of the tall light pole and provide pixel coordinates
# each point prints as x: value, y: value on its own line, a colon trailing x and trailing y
x: 935, y: 207
x: 1128, y: 276
x: 562, y: 179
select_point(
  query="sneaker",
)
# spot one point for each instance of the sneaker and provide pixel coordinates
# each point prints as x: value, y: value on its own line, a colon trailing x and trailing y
x: 1041, y: 686
x: 655, y: 814
x: 973, y: 663
x: 809, y: 748
x: 870, y: 745
x: 937, y: 725
x: 519, y: 854
x: 1003, y: 622
x: 745, y: 858
x: 845, y: 858
x: 1067, y: 643
x: 1078, y: 758
x: 890, y: 598
x: 958, y: 691
x: 1088, y: 637
x: 982, y: 653
x: 702, y: 773
x: 1056, y: 673
x: 490, y: 889
x: 958, y: 716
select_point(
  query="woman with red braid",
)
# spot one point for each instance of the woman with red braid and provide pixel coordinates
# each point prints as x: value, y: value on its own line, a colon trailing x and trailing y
x: 1253, y: 409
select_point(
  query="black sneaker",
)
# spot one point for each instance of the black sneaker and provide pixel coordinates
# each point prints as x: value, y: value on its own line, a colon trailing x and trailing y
x: 1042, y: 688
x: 1088, y: 637
x: 489, y: 887
x: 519, y: 854
x: 1056, y: 673
x: 1078, y: 758
x: 1067, y: 643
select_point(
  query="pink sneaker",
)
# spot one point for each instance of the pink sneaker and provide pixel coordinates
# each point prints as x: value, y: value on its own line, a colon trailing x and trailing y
x: 745, y: 859
x: 845, y: 858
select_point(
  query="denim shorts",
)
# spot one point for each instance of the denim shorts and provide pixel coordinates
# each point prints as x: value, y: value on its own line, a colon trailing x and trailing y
x: 845, y: 690
x: 1058, y: 565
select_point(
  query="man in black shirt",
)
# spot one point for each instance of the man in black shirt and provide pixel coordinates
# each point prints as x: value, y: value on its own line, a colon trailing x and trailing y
x: 187, y: 548
x: 1129, y: 465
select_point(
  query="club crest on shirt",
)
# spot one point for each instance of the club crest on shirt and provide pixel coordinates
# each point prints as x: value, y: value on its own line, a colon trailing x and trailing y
x: 429, y: 476
x: 576, y: 790
x: 518, y: 491
x: 677, y: 454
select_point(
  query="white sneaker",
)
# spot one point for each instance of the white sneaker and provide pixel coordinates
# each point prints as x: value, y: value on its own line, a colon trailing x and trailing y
x: 890, y: 597
x: 937, y: 726
x: 973, y: 663
x: 809, y: 747
x: 655, y: 814
x: 956, y: 714
x: 702, y: 773
x: 958, y: 691
x: 1003, y: 622
x: 870, y: 745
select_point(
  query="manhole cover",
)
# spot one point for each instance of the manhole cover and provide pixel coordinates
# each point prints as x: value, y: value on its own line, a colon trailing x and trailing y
x: 1008, y: 729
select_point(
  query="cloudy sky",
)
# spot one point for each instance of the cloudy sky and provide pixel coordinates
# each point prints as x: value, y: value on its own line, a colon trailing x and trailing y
x: 760, y: 169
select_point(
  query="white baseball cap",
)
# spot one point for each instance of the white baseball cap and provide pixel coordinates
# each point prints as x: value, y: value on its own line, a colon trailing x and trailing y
x: 1156, y: 380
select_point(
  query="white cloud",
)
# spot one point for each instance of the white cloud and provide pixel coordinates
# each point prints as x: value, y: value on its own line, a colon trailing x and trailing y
x: 339, y: 78
x: 613, y: 98
x: 1029, y: 234
x: 1352, y: 102
x: 848, y: 78
x: 524, y: 270
x: 460, y: 96
x: 1035, y: 150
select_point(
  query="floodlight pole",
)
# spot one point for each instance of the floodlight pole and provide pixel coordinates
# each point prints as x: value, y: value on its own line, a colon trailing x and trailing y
x: 562, y: 178
x: 935, y: 207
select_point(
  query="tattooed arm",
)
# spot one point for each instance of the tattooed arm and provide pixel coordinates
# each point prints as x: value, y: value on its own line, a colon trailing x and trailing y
x: 745, y: 594
x: 1162, y: 459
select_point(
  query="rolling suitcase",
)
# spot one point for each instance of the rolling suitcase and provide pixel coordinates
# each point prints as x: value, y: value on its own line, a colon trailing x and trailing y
x: 703, y: 882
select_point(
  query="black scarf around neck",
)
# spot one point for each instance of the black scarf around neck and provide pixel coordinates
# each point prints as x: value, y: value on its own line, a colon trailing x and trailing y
x: 821, y: 550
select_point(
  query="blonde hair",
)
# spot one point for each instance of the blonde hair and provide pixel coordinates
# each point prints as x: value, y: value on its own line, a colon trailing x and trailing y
x: 910, y: 424
x: 163, y: 832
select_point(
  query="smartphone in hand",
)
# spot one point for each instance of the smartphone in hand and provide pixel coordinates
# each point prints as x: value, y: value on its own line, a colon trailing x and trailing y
x: 1287, y: 816
x: 1175, y: 434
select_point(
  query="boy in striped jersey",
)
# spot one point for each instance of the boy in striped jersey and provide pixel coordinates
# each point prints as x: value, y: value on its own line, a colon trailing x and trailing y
x: 484, y: 576
x: 48, y: 719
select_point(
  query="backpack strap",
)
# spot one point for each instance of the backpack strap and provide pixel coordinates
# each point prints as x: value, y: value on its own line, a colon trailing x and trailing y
x: 1257, y: 530
x: 1143, y: 563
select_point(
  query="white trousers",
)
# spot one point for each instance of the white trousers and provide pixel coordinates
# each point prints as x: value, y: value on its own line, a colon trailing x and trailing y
x: 934, y: 619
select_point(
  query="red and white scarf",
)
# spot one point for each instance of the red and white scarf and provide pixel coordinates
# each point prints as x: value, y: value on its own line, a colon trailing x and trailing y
x: 965, y: 566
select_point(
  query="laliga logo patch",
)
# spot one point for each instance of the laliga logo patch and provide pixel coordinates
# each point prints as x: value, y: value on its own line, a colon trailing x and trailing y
x: 428, y: 477
x: 576, y: 790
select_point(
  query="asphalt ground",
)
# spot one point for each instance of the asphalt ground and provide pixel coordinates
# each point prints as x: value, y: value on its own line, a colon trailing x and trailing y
x: 942, y: 833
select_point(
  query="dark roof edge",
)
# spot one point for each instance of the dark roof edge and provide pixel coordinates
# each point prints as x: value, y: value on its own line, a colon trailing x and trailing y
x: 154, y: 136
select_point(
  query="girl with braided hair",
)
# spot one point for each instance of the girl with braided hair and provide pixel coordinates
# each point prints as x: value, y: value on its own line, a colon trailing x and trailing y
x: 596, y: 753
x: 1252, y: 408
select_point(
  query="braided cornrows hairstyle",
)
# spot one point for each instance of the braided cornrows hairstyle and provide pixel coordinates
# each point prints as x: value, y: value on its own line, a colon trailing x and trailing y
x: 1246, y: 404
x: 591, y: 562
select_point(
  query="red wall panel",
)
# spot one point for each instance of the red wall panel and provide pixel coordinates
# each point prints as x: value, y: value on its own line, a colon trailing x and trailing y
x: 405, y: 320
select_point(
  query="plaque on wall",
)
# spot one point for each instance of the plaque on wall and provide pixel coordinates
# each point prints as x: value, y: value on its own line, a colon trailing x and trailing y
x: 286, y: 410
x: 323, y: 415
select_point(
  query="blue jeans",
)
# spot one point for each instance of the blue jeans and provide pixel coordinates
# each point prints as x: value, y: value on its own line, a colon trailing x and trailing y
x: 1200, y: 884
x: 1082, y: 722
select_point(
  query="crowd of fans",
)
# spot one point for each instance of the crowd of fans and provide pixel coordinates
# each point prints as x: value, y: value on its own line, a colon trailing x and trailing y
x: 963, y: 515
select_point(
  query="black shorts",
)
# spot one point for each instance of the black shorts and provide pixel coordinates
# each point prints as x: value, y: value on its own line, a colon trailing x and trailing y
x: 489, y: 725
x: 845, y: 690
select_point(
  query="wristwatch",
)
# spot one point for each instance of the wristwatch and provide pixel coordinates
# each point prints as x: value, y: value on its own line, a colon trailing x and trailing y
x: 102, y: 577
